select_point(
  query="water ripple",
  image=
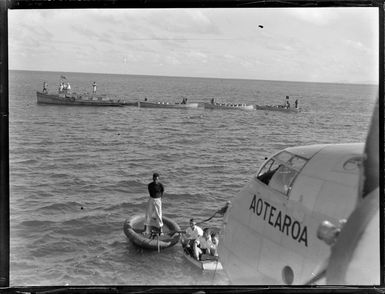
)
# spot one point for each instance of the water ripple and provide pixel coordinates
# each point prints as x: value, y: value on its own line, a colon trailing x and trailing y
x: 76, y: 173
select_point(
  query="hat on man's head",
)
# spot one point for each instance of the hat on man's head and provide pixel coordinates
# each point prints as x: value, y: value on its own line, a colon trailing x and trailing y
x: 155, y: 175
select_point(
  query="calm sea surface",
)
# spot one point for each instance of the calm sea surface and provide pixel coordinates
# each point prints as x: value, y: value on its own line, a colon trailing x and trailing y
x: 76, y: 173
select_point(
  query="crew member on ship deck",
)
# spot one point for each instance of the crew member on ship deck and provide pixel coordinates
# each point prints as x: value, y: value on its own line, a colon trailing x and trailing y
x: 287, y: 102
x: 45, y: 85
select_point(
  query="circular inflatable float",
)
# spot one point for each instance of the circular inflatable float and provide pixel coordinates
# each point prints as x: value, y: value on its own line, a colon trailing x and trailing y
x: 134, y: 227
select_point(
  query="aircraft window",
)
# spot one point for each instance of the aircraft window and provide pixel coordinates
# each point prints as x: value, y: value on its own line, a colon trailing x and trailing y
x: 284, y: 156
x: 297, y: 162
x: 268, y: 171
x: 282, y: 179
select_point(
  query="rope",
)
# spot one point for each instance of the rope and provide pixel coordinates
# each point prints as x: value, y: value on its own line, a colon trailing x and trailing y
x: 215, y: 271
x: 221, y: 211
x: 158, y: 244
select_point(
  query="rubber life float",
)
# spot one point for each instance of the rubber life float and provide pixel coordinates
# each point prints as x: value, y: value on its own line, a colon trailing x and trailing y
x: 134, y: 227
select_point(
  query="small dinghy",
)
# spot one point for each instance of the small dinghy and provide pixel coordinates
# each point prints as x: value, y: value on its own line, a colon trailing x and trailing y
x: 134, y: 228
x: 208, y: 262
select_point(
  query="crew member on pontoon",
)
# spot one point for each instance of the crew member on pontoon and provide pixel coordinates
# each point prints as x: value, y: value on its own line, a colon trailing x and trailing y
x: 61, y: 87
x: 154, y: 205
x: 296, y: 103
x: 184, y: 100
x: 212, y: 100
x: 94, y: 88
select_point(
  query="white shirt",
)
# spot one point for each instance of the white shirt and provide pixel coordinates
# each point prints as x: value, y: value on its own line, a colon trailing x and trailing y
x: 205, y: 243
x: 194, y: 234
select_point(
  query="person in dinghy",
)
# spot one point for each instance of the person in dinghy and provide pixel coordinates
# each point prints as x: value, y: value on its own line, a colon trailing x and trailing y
x: 192, y: 233
x: 215, y: 241
x: 154, y: 206
x: 204, y: 247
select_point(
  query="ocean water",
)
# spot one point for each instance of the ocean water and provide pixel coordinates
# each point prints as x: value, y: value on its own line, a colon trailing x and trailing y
x: 76, y: 173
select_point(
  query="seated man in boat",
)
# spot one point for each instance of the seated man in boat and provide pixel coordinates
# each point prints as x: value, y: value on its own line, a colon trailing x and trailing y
x: 192, y: 233
x: 215, y: 241
x: 203, y: 246
x: 184, y: 100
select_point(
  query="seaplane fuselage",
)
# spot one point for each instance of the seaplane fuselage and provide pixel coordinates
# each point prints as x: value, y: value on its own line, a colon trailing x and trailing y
x: 270, y: 230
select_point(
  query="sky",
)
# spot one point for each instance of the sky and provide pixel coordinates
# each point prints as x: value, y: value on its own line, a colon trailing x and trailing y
x: 339, y: 45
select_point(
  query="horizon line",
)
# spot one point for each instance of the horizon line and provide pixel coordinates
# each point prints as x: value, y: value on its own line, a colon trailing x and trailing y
x: 368, y: 83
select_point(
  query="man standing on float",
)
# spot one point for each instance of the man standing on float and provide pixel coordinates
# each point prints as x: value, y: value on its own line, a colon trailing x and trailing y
x: 155, y: 189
